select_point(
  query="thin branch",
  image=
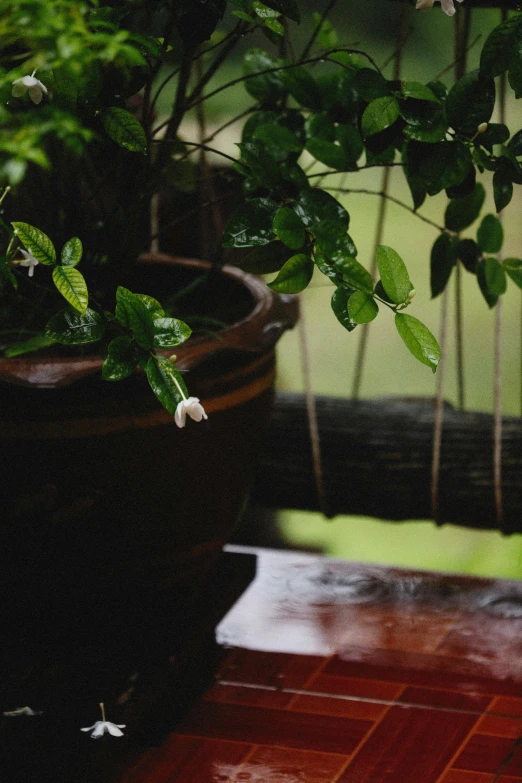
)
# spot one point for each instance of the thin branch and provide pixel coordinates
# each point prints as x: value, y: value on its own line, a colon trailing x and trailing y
x: 315, y: 33
x: 455, y: 62
x: 199, y: 147
x: 395, y: 201
x: 359, y: 168
x: 188, y: 214
x: 228, y: 123
x: 206, y: 77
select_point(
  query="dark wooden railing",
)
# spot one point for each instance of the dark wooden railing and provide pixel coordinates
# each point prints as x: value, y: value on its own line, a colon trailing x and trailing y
x: 376, y: 460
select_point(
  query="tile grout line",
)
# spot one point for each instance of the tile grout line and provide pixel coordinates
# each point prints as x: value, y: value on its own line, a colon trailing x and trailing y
x: 297, y: 693
x: 368, y: 699
x: 366, y: 737
x: 460, y: 748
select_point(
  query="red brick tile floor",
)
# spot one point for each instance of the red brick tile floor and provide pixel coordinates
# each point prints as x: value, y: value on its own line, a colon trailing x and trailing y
x: 349, y: 673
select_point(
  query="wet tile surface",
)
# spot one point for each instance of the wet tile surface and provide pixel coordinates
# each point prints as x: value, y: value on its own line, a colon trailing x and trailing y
x: 343, y: 673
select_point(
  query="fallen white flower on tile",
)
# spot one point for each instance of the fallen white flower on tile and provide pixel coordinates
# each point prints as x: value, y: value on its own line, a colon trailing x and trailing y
x: 102, y: 727
x: 30, y: 84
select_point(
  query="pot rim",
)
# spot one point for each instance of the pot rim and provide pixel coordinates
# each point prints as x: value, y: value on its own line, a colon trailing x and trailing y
x: 258, y: 331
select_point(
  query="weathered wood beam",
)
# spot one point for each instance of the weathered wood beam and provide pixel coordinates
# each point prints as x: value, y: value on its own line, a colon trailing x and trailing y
x: 376, y: 458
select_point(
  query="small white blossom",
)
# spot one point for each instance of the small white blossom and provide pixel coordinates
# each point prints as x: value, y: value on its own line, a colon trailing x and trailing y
x: 104, y: 726
x: 21, y: 711
x: 193, y: 408
x: 447, y: 5
x: 30, y: 84
x: 29, y: 261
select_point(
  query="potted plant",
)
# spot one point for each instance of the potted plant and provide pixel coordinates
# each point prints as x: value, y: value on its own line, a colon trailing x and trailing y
x: 87, y: 164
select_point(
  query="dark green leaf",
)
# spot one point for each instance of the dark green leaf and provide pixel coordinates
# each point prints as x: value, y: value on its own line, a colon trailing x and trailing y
x: 266, y: 259
x: 301, y: 85
x: 268, y: 87
x: 491, y: 279
x: 495, y: 133
x: 350, y: 140
x: 289, y: 228
x: 332, y: 155
x: 288, y: 8
x: 72, y: 286
x: 263, y: 167
x: 69, y: 327
x: 490, y: 234
x: 502, y: 189
x: 340, y: 308
x: 251, y: 225
x: 513, y: 267
x: 418, y: 339
x: 426, y: 135
x: 197, y: 19
x: 469, y: 253
x: 394, y: 275
x: 515, y: 70
x: 36, y: 242
x: 138, y: 312
x: 275, y: 26
x: 438, y: 166
x: 314, y: 206
x: 169, y: 332
x: 294, y: 275
x: 466, y: 187
x: 379, y: 115
x: 121, y: 360
x: 72, y: 252
x: 255, y: 120
x: 325, y: 266
x: 381, y: 293
x: 333, y: 241
x: 326, y: 36
x: 278, y: 136
x: 362, y: 307
x: 125, y: 129
x: 515, y: 145
x: 318, y: 126
x: 443, y: 259
x: 418, y: 91
x: 355, y: 274
x: 470, y: 102
x: 497, y: 50
x: 164, y: 380
x: 369, y: 85
x: 462, y: 212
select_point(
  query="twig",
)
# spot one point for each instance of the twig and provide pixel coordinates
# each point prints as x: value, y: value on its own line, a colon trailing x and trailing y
x: 454, y: 63
x: 315, y: 33
x: 199, y: 147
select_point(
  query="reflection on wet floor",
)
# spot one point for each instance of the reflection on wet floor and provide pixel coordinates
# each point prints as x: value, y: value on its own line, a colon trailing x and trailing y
x: 347, y: 673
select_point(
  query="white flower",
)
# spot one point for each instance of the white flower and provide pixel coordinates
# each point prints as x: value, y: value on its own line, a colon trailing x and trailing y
x: 104, y: 726
x: 30, y: 261
x: 193, y: 407
x: 21, y: 711
x: 447, y: 5
x: 29, y: 84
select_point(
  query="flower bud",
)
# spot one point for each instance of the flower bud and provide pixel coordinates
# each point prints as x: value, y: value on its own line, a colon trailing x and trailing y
x: 482, y: 127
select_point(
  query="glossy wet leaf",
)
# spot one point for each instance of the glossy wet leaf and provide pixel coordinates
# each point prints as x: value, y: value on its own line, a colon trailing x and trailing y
x: 69, y: 327
x: 302, y: 86
x: 122, y: 358
x: 169, y: 332
x: 462, y: 212
x: 442, y: 261
x: 437, y: 166
x: 315, y: 206
x: 339, y: 304
x: 251, y: 225
x: 294, y: 276
x: 72, y: 286
x: 278, y: 136
x: 418, y: 339
x: 379, y: 115
x: 289, y: 228
x: 288, y: 8
x: 267, y: 87
x: 30, y: 345
x: 418, y: 91
x: 491, y: 278
x: 350, y: 140
x: 362, y: 308
x: 355, y: 274
x: 497, y: 50
x: 164, y: 379
x: 262, y: 164
x: 490, y: 234
x: 36, y: 242
x: 266, y: 259
x: 333, y: 241
x: 394, y: 275
x: 72, y: 252
x: 470, y: 102
x: 319, y: 126
x: 125, y: 129
x: 138, y: 312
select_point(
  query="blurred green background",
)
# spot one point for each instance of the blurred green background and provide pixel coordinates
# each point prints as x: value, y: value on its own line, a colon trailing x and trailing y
x: 389, y: 369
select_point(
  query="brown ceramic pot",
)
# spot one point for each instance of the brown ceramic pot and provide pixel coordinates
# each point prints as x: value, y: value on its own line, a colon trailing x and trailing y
x: 112, y: 516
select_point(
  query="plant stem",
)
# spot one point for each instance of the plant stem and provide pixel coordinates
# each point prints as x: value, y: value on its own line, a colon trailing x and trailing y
x: 315, y: 33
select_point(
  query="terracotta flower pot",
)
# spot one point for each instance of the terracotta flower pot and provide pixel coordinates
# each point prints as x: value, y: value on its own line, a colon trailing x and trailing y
x: 112, y: 516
